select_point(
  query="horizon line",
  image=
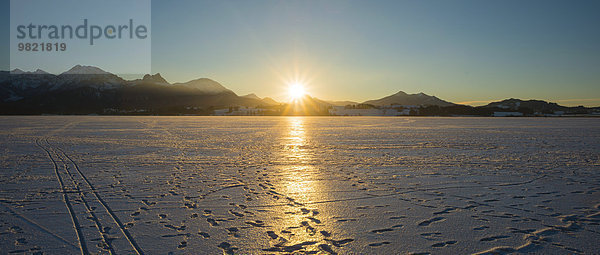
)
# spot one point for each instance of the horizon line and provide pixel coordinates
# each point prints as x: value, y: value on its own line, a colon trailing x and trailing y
x: 472, y: 103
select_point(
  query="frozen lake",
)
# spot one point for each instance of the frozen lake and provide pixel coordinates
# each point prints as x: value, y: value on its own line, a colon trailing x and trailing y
x: 256, y: 185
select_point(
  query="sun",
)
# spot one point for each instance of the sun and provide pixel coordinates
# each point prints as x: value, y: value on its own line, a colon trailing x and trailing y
x: 296, y: 90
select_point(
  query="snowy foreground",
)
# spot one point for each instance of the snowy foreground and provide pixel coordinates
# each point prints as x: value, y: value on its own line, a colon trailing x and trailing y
x: 316, y: 185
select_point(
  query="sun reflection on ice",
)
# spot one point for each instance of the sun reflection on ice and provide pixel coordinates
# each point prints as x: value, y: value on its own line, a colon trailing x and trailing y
x: 297, y: 221
x: 296, y: 139
x: 301, y: 222
x: 299, y: 173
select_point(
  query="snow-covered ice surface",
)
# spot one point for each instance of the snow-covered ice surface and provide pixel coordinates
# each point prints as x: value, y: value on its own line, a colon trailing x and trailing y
x: 256, y: 185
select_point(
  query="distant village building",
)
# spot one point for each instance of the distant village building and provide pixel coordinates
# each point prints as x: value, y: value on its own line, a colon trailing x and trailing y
x: 363, y: 110
x: 239, y: 111
x: 508, y: 114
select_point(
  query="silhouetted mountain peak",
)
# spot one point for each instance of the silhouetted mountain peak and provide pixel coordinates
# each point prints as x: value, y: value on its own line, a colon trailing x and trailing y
x: 157, y: 78
x: 19, y: 71
x: 269, y: 101
x: 534, y: 105
x: 252, y: 95
x: 40, y: 71
x: 205, y: 85
x: 341, y: 103
x: 402, y: 98
x: 79, y: 69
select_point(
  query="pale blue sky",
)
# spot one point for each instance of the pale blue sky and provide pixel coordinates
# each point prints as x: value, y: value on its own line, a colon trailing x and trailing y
x: 357, y: 50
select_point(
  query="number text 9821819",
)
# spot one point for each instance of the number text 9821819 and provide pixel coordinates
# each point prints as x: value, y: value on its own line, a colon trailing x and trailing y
x: 42, y: 46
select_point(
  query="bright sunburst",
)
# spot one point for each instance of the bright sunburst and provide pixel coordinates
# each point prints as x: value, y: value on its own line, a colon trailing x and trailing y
x: 296, y: 90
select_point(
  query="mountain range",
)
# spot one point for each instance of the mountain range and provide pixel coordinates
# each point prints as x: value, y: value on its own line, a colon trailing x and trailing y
x: 402, y: 98
x: 89, y: 89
